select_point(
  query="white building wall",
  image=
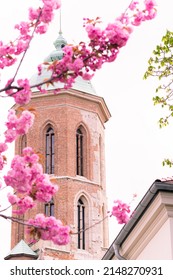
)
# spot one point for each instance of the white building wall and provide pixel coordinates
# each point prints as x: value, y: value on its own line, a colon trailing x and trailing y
x: 161, y: 245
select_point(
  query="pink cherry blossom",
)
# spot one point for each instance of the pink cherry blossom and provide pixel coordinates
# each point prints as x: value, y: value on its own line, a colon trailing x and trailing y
x: 76, y: 65
x: 34, y: 14
x: 29, y: 156
x: 11, y: 119
x: 19, y: 177
x: 21, y: 46
x: 87, y: 76
x: 103, y: 47
x: 93, y: 32
x: 41, y: 29
x: 10, y: 135
x: 138, y: 18
x: 23, y: 204
x: 38, y: 21
x: 23, y: 96
x: 55, y: 4
x: 150, y: 4
x: 26, y: 177
x: 23, y: 27
x: 49, y: 228
x: 121, y: 211
x: 3, y: 147
x: 117, y: 33
x: 24, y: 122
x: 17, y: 125
x: 12, y: 198
x: 133, y: 5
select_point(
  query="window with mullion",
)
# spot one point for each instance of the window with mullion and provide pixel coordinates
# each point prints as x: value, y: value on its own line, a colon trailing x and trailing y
x: 81, y: 224
x: 49, y: 208
x: 79, y: 153
x: 50, y: 151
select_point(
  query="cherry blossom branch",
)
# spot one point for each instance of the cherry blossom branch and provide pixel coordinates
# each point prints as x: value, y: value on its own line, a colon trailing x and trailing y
x: 14, y: 219
x: 3, y: 210
x: 21, y: 221
x: 27, y: 47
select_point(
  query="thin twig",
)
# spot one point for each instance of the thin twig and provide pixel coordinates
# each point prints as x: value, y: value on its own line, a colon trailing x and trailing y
x: 21, y: 221
x: 5, y: 208
x: 24, y: 53
x: 93, y: 225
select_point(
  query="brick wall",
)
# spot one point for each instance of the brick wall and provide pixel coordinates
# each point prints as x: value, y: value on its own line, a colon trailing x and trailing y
x: 65, y: 112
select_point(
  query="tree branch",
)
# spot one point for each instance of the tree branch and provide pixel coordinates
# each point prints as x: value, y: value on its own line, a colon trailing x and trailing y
x: 93, y: 225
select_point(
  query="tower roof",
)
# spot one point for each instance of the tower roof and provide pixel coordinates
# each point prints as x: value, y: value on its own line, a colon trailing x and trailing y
x: 57, y: 54
x: 79, y: 84
x: 21, y: 249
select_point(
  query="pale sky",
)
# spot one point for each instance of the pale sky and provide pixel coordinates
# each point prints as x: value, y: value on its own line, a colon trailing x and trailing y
x: 135, y: 146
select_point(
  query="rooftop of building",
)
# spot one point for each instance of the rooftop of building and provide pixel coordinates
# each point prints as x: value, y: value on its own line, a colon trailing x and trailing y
x: 80, y: 84
x: 21, y: 249
x: 159, y: 185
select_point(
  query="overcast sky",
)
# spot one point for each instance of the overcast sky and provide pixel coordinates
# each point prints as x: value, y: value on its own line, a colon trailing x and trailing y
x: 135, y: 146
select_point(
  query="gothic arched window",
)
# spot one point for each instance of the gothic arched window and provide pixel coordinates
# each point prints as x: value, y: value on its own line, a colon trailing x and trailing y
x: 49, y: 208
x: 81, y: 223
x: 23, y: 143
x: 81, y: 152
x: 50, y: 150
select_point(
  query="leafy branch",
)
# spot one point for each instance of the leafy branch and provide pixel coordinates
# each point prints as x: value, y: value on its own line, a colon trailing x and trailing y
x: 160, y: 65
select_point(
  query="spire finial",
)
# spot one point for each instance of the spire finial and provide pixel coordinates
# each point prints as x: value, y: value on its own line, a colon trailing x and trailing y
x: 60, y: 27
x: 59, y: 44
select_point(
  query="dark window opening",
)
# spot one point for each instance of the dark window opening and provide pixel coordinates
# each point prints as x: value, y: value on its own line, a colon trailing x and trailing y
x: 49, y: 208
x: 81, y: 224
x: 50, y: 153
x: 79, y: 153
x: 23, y: 143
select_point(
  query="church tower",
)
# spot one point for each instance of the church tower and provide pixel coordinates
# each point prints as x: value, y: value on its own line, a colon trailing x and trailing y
x: 69, y: 134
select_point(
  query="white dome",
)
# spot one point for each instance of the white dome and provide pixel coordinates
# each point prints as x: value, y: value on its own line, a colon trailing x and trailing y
x: 57, y: 54
x: 80, y: 84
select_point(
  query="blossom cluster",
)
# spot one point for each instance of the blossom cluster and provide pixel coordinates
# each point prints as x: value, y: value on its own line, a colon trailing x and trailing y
x: 38, y: 22
x: 147, y: 13
x: 21, y: 93
x: 17, y: 125
x: 121, y: 211
x: 48, y: 228
x: 104, y: 45
x: 29, y: 182
x: 23, y: 204
x: 84, y: 59
x: 43, y: 16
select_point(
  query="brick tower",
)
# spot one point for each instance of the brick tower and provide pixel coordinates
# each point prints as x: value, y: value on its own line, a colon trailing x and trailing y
x: 69, y: 134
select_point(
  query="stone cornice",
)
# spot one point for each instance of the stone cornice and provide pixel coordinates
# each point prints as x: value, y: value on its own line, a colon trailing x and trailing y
x: 81, y: 95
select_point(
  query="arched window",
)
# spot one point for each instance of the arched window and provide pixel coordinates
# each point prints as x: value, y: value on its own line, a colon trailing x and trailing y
x: 81, y: 224
x: 49, y: 208
x: 50, y: 150
x: 79, y: 152
x: 23, y: 143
